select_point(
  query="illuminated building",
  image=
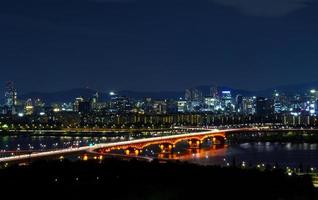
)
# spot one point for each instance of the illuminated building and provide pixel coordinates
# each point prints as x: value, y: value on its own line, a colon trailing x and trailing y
x: 312, y: 102
x: 193, y: 95
x: 94, y: 101
x: 77, y: 102
x: 211, y: 104
x: 160, y: 107
x: 239, y: 103
x: 249, y: 105
x: 119, y: 104
x: 68, y: 107
x: 277, y: 102
x: 227, y: 102
x: 28, y: 107
x: 38, y: 106
x: 226, y: 97
x: 214, y: 92
x: 10, y: 98
x: 182, y: 106
x: 194, y: 99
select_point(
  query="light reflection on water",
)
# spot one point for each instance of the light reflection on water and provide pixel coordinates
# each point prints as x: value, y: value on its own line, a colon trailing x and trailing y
x: 282, y: 154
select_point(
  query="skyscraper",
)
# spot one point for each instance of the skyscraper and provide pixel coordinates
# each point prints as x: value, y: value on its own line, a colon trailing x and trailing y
x: 239, y: 103
x: 28, y: 107
x: 78, y: 100
x: 249, y: 105
x: 312, y: 102
x: 94, y: 100
x: 277, y: 102
x: 226, y: 102
x: 193, y: 95
x: 10, y: 98
x: 214, y: 92
x: 194, y: 98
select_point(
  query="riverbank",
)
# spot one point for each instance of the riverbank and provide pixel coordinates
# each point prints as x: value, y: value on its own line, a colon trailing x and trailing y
x: 294, y: 137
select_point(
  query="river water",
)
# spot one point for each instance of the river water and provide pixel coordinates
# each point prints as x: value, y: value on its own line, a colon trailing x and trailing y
x: 282, y: 154
x: 254, y: 154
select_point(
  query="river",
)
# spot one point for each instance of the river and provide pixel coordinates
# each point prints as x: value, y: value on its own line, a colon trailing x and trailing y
x: 254, y: 154
x: 258, y: 153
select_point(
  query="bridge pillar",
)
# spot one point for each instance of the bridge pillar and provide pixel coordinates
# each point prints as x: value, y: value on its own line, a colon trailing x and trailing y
x: 135, y: 152
x: 195, y: 144
x: 167, y: 148
x: 218, y: 140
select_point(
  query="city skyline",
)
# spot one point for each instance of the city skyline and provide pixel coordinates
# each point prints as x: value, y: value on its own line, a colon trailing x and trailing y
x: 151, y: 46
x: 292, y: 88
x: 210, y: 100
x: 145, y: 99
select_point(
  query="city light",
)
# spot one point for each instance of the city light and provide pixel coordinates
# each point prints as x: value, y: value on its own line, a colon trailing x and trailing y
x: 132, y: 99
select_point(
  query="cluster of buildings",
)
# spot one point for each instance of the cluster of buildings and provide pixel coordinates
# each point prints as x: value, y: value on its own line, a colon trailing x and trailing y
x: 13, y: 106
x: 218, y: 102
x: 218, y: 106
x: 224, y: 102
x: 114, y: 104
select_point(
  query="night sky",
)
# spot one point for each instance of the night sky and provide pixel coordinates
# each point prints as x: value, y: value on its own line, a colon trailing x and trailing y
x: 50, y: 45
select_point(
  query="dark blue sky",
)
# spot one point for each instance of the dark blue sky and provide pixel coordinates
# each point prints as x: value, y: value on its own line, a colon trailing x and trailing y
x: 157, y: 44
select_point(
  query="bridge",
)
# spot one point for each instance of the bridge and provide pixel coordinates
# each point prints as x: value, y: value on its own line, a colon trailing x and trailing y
x: 165, y: 143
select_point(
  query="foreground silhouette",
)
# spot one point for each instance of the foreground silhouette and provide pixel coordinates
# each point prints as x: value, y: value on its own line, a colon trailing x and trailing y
x: 135, y: 180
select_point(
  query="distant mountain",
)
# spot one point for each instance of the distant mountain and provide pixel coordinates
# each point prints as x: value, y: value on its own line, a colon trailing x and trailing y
x: 61, y: 96
x: 206, y: 90
x: 289, y: 89
x: 154, y: 95
x: 70, y: 95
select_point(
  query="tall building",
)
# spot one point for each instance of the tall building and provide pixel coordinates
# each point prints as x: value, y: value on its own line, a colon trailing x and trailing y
x: 296, y: 105
x: 312, y: 102
x: 249, y: 105
x: 67, y: 107
x: 94, y: 101
x: 193, y: 95
x: 78, y: 100
x: 210, y: 104
x: 119, y: 104
x: 239, y: 103
x: 182, y: 106
x: 28, y: 107
x: 160, y: 107
x: 194, y: 98
x: 11, y: 98
x: 226, y: 101
x: 214, y: 92
x: 277, y: 102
